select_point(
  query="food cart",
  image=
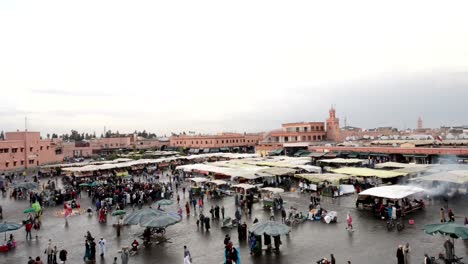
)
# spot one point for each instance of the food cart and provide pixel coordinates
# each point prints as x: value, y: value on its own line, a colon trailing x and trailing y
x: 197, y: 185
x: 271, y: 197
x: 403, y: 198
x: 219, y: 188
x: 329, y: 184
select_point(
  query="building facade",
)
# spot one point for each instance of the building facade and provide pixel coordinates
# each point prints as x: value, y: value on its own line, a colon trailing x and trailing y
x: 23, y: 150
x: 223, y: 140
x: 98, y: 146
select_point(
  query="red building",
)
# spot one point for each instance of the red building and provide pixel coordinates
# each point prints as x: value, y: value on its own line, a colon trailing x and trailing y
x: 22, y: 150
x: 215, y: 142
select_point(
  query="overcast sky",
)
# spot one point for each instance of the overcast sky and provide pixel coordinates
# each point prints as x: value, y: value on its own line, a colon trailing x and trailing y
x: 211, y: 66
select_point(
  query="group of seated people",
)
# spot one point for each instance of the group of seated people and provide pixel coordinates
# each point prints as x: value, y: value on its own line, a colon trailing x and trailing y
x: 11, y: 243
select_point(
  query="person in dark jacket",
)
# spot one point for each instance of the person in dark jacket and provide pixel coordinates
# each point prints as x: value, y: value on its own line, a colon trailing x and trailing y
x: 400, y: 256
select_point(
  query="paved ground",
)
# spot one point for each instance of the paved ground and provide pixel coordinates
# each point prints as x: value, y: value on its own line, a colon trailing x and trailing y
x: 370, y: 243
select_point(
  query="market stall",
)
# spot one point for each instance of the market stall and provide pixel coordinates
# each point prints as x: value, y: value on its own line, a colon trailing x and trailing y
x: 329, y: 184
x: 403, y: 198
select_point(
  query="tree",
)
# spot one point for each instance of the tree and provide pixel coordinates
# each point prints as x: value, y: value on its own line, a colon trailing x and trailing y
x: 54, y: 135
x: 2, y: 136
x: 48, y: 135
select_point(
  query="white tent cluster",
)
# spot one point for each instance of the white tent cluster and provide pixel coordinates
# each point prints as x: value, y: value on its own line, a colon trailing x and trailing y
x: 128, y: 163
x: 252, y: 168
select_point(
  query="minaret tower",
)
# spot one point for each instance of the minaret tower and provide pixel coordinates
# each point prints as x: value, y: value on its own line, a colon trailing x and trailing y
x: 333, y: 126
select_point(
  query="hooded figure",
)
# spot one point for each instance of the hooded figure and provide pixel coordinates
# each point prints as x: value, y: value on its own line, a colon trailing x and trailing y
x: 400, y: 256
x: 406, y: 253
x: 448, y: 245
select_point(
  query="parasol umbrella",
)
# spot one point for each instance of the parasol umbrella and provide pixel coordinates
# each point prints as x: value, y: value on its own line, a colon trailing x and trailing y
x: 8, y: 226
x: 85, y: 185
x: 455, y: 231
x: 135, y: 217
x: 162, y: 220
x: 29, y: 210
x: 119, y: 212
x: 26, y: 185
x: 164, y: 202
x: 270, y: 228
x: 447, y: 229
x: 95, y: 184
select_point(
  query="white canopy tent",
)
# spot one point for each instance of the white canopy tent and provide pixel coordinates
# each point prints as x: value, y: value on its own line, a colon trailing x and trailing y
x: 394, y: 192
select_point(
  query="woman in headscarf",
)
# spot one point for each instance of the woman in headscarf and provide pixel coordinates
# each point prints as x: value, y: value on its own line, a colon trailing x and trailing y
x: 400, y: 256
x: 406, y: 252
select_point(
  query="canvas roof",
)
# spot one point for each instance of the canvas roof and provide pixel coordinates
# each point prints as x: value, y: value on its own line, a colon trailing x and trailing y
x: 342, y: 161
x: 455, y: 176
x: 392, y: 191
x: 329, y: 177
x: 366, y: 172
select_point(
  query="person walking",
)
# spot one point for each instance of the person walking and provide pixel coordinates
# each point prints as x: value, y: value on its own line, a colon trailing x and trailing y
x: 400, y: 256
x: 406, y: 253
x: 451, y: 215
x: 31, y: 261
x: 124, y: 255
x: 102, y: 247
x: 49, y: 251
x: 28, y: 228
x: 222, y: 211
x: 332, y: 259
x: 349, y: 221
x: 187, y: 256
x: 283, y: 215
x: 442, y: 215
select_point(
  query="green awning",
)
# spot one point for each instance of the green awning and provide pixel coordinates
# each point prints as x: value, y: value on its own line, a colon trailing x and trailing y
x: 414, y: 156
x: 276, y: 152
x: 206, y: 150
x: 364, y: 154
x: 224, y: 149
x: 214, y: 150
x: 462, y: 156
x: 420, y: 156
x: 353, y: 155
x: 300, y: 153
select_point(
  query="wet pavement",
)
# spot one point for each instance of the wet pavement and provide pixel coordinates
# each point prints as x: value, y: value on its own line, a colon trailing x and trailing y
x: 307, y: 243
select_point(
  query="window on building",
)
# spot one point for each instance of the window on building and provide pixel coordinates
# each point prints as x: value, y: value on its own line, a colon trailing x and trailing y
x: 297, y: 129
x: 14, y: 163
x: 321, y: 128
x: 14, y: 150
x: 47, y: 148
x: 305, y: 129
x: 22, y: 162
x: 315, y: 137
x: 237, y: 141
x: 6, y: 164
x: 41, y: 147
x: 31, y: 161
x: 30, y: 149
x: 22, y: 149
x: 1, y: 150
x: 6, y: 150
x: 206, y: 142
x: 222, y: 141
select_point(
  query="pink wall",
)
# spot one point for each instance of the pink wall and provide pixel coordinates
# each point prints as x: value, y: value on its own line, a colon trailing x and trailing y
x: 22, y: 150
